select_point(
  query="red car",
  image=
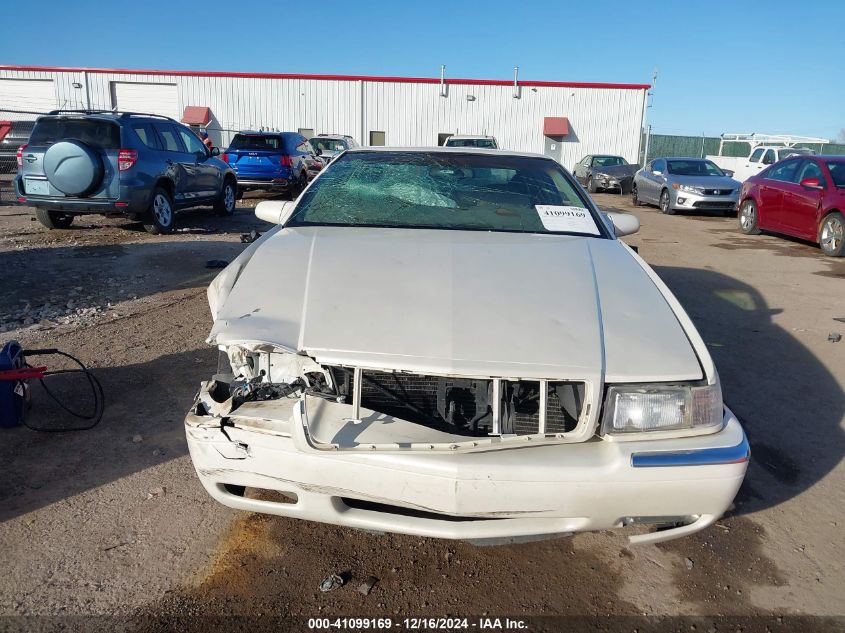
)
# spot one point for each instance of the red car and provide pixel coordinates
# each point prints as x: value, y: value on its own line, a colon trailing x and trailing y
x: 803, y: 196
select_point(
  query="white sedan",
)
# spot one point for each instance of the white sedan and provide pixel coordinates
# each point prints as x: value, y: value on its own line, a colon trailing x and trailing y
x: 454, y: 343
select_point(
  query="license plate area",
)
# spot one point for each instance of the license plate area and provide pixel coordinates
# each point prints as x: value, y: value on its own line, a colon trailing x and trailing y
x: 36, y: 186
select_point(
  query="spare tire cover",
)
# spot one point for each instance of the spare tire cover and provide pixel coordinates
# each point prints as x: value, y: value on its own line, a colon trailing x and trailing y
x: 73, y: 168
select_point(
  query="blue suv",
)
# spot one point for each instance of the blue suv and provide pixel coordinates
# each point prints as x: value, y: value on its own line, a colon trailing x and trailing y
x: 273, y: 161
x: 140, y: 165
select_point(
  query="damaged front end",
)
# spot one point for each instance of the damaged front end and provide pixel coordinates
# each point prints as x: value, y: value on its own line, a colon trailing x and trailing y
x: 349, y: 408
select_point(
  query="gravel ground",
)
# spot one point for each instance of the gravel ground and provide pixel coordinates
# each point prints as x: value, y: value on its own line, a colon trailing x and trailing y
x: 112, y: 522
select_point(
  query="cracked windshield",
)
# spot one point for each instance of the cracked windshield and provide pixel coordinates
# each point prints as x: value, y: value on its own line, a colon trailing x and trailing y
x: 426, y: 190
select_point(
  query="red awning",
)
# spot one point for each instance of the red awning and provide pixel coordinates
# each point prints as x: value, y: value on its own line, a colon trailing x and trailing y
x: 5, y: 126
x: 555, y: 126
x: 196, y: 115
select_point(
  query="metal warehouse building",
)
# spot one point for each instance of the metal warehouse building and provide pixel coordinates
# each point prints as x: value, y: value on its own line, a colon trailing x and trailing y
x: 565, y: 120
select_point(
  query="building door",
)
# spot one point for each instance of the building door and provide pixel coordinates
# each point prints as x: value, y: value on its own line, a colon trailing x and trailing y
x: 553, y: 148
x: 377, y: 138
x: 160, y: 99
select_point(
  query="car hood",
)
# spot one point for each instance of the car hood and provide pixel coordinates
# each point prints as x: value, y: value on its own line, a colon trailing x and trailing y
x: 469, y: 303
x: 617, y: 170
x: 708, y: 182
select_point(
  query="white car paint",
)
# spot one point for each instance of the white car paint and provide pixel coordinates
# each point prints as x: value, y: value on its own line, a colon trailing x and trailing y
x: 466, y: 304
x: 760, y: 157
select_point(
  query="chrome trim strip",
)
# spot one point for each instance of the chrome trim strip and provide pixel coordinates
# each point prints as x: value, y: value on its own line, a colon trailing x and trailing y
x: 699, y: 457
x: 544, y: 400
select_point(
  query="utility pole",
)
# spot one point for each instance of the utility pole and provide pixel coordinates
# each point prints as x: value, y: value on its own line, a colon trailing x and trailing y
x: 646, y: 106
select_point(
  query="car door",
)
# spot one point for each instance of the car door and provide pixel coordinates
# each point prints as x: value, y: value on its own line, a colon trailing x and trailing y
x: 181, y: 165
x: 580, y: 169
x: 772, y: 185
x: 313, y: 163
x: 752, y: 166
x: 209, y: 178
x: 656, y: 177
x: 801, y: 203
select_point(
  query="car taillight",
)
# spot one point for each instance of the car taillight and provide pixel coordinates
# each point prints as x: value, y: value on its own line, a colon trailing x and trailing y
x: 224, y: 157
x: 287, y: 161
x: 126, y: 158
x: 19, y: 155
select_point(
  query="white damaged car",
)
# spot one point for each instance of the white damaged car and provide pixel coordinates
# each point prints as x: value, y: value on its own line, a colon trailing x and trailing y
x: 454, y: 343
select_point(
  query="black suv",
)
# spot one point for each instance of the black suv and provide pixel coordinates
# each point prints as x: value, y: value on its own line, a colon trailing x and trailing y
x: 141, y: 165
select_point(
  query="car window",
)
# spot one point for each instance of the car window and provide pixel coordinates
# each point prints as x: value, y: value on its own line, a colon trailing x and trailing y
x: 439, y: 191
x: 145, y: 132
x: 192, y: 141
x: 659, y: 165
x: 608, y: 161
x: 97, y: 133
x: 755, y: 155
x: 769, y: 157
x: 328, y: 144
x: 169, y: 137
x: 837, y: 173
x: 256, y: 142
x: 787, y: 171
x: 693, y: 167
x: 482, y: 143
x: 810, y: 169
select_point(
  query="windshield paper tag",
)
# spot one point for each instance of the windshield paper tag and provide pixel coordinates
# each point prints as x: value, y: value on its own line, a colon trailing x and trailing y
x: 567, y: 219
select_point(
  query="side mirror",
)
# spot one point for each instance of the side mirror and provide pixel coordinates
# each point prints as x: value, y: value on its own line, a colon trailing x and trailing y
x: 274, y: 211
x: 811, y: 183
x: 319, y: 151
x: 729, y: 173
x: 657, y: 172
x: 624, y: 223
x: 215, y: 151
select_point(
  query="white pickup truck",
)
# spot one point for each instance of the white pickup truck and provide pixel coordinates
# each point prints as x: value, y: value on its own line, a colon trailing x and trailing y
x: 765, y: 150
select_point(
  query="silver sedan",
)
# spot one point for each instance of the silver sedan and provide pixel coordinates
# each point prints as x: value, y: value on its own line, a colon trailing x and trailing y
x: 685, y: 184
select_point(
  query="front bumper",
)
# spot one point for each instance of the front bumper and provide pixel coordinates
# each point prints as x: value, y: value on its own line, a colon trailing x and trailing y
x: 684, y: 200
x: 541, y: 490
x: 612, y: 182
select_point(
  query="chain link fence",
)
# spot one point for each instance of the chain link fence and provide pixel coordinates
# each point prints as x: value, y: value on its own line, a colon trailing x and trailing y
x: 15, y: 128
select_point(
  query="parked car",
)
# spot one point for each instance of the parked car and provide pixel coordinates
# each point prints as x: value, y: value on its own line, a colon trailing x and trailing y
x: 685, y: 184
x: 140, y: 165
x: 802, y: 196
x: 273, y: 161
x: 463, y: 349
x: 13, y: 134
x: 471, y: 140
x: 758, y: 158
x: 605, y: 172
x: 330, y: 145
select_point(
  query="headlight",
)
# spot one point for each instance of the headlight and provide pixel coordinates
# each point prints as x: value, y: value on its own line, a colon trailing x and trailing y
x: 691, y: 189
x: 602, y: 176
x: 642, y: 408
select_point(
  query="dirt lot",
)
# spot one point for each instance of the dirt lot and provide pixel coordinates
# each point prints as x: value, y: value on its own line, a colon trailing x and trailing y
x: 113, y: 522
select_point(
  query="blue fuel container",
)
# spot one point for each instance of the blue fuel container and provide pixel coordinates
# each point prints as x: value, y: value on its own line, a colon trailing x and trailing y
x: 12, y: 392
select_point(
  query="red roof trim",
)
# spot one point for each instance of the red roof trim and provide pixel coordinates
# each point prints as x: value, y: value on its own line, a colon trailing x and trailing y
x: 407, y: 80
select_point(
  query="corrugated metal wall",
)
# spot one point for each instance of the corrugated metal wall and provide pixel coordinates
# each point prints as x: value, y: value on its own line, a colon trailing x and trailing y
x: 603, y: 120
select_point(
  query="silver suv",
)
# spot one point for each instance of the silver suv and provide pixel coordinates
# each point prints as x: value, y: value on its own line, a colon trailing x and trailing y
x: 141, y: 165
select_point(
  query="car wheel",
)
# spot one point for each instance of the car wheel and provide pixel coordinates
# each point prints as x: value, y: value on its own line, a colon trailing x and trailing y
x: 299, y: 187
x: 161, y: 218
x: 832, y: 235
x: 665, y: 205
x: 635, y: 200
x: 54, y: 219
x: 591, y: 185
x: 225, y: 203
x: 748, y: 218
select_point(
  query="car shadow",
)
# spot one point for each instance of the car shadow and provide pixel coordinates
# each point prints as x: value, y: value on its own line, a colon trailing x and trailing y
x: 59, y: 283
x: 145, y: 401
x: 789, y: 403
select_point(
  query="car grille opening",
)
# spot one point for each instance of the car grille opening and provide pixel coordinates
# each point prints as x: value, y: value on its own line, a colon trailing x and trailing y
x: 716, y: 204
x: 465, y: 406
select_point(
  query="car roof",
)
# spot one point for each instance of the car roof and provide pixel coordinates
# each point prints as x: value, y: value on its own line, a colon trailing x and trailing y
x: 836, y: 158
x: 259, y: 133
x: 698, y: 158
x: 448, y: 150
x: 471, y: 136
